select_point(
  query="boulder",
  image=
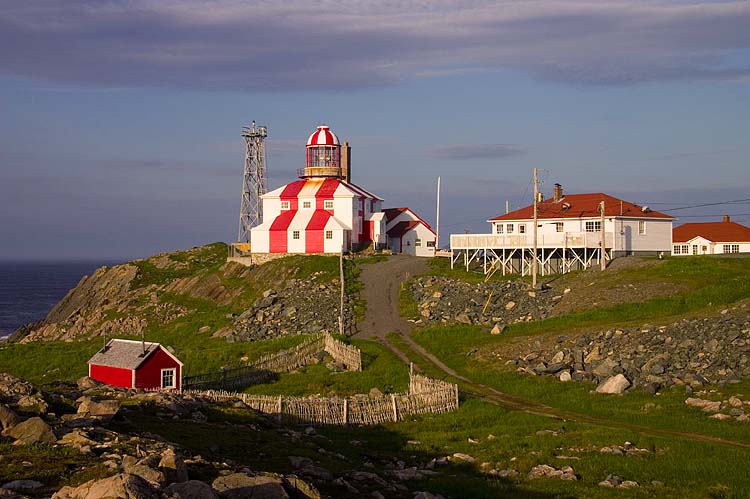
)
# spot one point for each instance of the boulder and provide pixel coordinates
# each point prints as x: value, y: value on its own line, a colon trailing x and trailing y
x: 497, y: 329
x: 173, y: 467
x: 605, y: 368
x: 547, y: 471
x: 87, y: 383
x: 242, y: 486
x: 23, y: 486
x: 565, y: 376
x: 192, y: 489
x: 613, y: 385
x: 299, y: 489
x: 119, y: 486
x: 8, y: 418
x: 33, y: 403
x: 104, y: 409
x: 32, y: 431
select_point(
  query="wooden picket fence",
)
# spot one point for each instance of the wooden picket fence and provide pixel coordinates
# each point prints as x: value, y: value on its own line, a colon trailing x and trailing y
x: 268, y: 366
x: 425, y: 395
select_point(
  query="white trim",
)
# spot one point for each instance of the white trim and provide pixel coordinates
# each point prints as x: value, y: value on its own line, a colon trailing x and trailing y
x: 132, y: 378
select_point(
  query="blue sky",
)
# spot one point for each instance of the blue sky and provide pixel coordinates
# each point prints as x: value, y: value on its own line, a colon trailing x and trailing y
x: 120, y: 121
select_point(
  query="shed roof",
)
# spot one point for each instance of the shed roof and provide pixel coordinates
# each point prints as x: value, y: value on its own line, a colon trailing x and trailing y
x: 126, y: 354
x: 583, y: 206
x: 717, y: 232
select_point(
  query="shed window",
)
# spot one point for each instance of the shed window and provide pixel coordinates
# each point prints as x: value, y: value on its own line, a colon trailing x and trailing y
x: 328, y: 204
x: 285, y: 205
x: 295, y: 234
x: 430, y: 244
x: 329, y: 234
x: 168, y: 378
x: 418, y: 243
x: 641, y: 227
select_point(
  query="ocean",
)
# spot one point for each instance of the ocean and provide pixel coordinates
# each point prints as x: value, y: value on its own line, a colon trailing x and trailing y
x: 28, y: 290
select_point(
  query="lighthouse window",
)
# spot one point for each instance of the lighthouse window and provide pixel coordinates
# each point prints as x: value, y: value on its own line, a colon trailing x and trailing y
x: 285, y: 205
x: 306, y: 204
x: 328, y: 204
x: 329, y: 234
x: 295, y: 234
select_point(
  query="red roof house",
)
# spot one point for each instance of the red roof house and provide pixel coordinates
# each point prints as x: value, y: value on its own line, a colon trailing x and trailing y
x: 136, y: 364
x: 408, y: 233
x: 711, y: 238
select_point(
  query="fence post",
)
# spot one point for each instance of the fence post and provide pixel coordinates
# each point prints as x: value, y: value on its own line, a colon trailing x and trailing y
x: 278, y: 408
x: 346, y: 411
x: 395, y: 410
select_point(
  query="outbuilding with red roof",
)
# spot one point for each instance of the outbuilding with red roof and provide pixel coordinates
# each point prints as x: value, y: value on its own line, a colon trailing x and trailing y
x: 711, y: 238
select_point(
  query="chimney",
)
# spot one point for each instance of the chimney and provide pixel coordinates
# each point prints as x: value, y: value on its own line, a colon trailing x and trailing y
x: 557, y: 193
x: 726, y: 218
x: 346, y: 162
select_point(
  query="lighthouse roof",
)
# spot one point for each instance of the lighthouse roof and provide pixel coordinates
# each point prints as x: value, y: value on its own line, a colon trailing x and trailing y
x: 323, y: 136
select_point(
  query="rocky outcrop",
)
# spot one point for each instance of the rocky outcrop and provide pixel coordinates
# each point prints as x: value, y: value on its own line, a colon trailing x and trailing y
x: 445, y: 300
x: 32, y: 431
x: 690, y: 352
x: 299, y: 307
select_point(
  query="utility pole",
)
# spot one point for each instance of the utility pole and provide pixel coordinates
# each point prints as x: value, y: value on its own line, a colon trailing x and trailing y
x: 437, y: 218
x: 341, y: 304
x: 536, y: 200
x: 603, y: 236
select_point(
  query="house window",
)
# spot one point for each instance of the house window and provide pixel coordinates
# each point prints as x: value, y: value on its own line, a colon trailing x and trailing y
x: 329, y: 234
x: 509, y: 228
x: 676, y: 249
x: 430, y: 244
x: 641, y: 227
x: 306, y: 204
x: 418, y: 243
x: 558, y: 226
x: 685, y: 249
x: 593, y: 226
x: 498, y: 228
x: 695, y: 249
x: 285, y: 205
x: 328, y: 204
x: 522, y: 228
x: 731, y: 248
x: 168, y: 378
x: 295, y: 234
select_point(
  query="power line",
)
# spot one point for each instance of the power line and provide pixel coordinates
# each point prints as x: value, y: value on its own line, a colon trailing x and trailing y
x: 702, y: 205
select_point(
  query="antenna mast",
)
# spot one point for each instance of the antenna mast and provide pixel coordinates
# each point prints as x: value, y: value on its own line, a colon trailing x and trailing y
x: 253, y: 180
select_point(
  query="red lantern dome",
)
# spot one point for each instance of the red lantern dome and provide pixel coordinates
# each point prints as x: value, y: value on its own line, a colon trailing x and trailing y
x: 323, y: 154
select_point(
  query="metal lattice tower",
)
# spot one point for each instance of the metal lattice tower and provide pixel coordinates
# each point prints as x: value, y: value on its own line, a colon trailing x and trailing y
x: 253, y: 181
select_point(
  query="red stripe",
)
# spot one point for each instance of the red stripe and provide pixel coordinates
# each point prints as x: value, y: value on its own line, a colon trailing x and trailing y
x: 290, y: 193
x: 278, y: 235
x: 325, y: 193
x: 315, y: 232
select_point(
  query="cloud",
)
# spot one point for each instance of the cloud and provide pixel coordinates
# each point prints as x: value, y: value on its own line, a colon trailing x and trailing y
x: 476, y: 151
x: 324, y: 46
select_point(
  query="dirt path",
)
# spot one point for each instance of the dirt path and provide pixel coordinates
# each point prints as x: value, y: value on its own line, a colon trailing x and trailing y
x: 381, y: 283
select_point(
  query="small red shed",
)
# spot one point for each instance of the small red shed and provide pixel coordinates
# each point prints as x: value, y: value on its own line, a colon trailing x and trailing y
x: 136, y: 364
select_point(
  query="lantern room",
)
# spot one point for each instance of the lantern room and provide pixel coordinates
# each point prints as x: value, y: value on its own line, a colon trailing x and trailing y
x: 323, y: 154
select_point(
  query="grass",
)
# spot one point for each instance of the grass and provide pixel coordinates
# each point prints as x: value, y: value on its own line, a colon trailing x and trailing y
x: 61, y: 465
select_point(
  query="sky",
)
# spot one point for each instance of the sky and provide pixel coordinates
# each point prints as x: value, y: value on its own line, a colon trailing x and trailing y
x: 120, y: 121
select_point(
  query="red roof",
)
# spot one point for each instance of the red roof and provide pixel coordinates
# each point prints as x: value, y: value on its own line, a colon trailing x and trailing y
x: 582, y: 206
x: 323, y: 136
x: 717, y: 232
x: 402, y: 228
x: 391, y: 213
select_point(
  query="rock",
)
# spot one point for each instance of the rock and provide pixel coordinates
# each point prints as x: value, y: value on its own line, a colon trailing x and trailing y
x: 154, y: 477
x: 547, y: 471
x: 463, y: 457
x: 558, y: 358
x: 23, y: 486
x: 33, y: 403
x: 87, y: 383
x: 300, y: 489
x: 498, y: 329
x: 242, y: 486
x: 8, y: 418
x: 614, y: 385
x: 427, y: 495
x: 33, y: 430
x: 628, y: 484
x: 565, y: 376
x: 463, y: 318
x: 510, y: 305
x: 173, y: 467
x: 192, y: 489
x: 118, y: 486
x: 605, y: 368
x: 104, y: 409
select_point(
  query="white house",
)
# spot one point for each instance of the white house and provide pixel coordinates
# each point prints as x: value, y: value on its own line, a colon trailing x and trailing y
x: 324, y: 211
x: 409, y: 234
x: 569, y: 234
x: 711, y: 238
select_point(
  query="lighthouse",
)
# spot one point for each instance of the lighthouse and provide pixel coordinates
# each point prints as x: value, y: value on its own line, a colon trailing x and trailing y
x: 324, y: 212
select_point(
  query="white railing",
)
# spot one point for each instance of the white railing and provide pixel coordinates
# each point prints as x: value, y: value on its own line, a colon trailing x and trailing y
x: 544, y: 241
